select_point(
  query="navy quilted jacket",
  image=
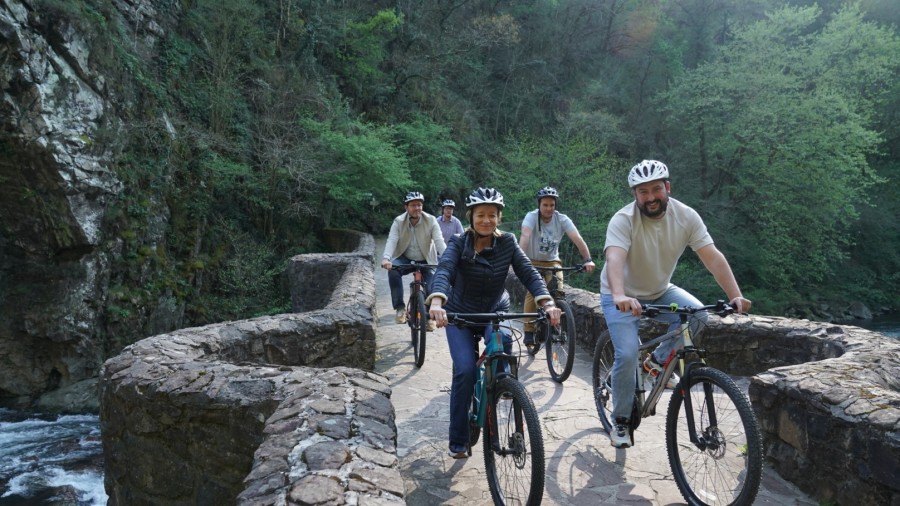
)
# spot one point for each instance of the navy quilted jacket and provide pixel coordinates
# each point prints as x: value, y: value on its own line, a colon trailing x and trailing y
x: 473, y: 282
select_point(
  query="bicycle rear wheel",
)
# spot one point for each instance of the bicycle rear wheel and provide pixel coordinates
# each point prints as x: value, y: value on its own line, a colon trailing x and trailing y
x: 726, y: 467
x: 601, y: 375
x: 561, y: 344
x: 419, y: 329
x: 513, y: 446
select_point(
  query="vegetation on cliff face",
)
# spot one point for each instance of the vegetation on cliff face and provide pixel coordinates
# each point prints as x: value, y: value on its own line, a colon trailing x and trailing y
x: 251, y: 125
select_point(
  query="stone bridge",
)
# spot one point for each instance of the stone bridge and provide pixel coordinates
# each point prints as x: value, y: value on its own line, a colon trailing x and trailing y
x: 285, y: 409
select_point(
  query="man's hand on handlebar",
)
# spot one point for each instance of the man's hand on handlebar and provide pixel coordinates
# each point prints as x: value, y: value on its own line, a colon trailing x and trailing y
x: 386, y: 264
x: 553, y: 313
x: 741, y: 305
x: 626, y: 304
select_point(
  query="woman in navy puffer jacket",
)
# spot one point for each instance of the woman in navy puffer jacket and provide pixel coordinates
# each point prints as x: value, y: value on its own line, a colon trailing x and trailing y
x: 470, y: 279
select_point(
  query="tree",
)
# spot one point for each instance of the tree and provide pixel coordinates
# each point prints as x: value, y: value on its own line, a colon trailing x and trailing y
x: 772, y: 137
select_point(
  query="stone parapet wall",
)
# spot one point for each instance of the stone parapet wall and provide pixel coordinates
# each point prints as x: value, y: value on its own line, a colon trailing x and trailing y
x: 827, y: 396
x: 244, y: 412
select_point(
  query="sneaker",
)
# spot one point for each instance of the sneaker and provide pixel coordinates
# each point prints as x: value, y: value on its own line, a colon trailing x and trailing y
x: 458, y: 452
x: 621, y: 436
x: 401, y: 316
x: 431, y: 326
x: 529, y: 339
x: 653, y: 369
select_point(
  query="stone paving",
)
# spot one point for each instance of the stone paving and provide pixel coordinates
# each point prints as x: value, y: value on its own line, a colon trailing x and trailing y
x: 582, y: 468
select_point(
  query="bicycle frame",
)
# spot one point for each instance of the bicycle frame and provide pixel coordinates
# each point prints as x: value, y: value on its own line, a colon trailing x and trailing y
x: 488, y: 375
x: 648, y: 404
x: 711, y: 464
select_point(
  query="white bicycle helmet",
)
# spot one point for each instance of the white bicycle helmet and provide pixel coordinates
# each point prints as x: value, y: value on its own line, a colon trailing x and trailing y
x: 485, y: 196
x: 413, y: 196
x: 647, y: 170
x: 448, y: 203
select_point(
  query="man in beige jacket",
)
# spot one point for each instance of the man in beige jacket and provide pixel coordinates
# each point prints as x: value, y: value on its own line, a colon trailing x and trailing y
x: 415, y: 237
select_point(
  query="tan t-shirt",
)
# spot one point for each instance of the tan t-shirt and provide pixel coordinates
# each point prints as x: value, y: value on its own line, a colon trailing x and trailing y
x: 653, y: 246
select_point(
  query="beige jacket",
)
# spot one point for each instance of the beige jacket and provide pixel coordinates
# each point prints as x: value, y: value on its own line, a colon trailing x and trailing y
x: 428, y: 236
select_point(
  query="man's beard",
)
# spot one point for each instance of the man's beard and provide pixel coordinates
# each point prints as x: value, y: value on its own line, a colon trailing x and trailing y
x: 663, y: 205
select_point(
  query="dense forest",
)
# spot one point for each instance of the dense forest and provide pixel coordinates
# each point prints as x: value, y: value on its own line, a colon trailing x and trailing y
x: 779, y: 121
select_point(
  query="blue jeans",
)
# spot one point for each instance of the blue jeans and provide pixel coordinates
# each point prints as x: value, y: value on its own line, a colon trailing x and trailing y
x: 623, y: 330
x: 395, y: 280
x: 463, y: 343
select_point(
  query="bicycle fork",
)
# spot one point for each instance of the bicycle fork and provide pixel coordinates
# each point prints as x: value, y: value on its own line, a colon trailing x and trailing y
x: 488, y: 376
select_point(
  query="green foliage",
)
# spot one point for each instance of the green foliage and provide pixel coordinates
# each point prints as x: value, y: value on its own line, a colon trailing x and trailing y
x: 773, y: 141
x: 252, y: 125
x: 433, y: 158
x: 588, y: 179
x: 359, y: 167
x: 247, y: 282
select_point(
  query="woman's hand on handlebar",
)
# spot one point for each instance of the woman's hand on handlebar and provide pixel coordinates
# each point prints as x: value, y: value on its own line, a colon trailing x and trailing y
x: 437, y: 313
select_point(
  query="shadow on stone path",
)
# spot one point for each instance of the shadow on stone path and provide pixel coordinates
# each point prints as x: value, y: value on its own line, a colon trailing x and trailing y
x: 581, y: 467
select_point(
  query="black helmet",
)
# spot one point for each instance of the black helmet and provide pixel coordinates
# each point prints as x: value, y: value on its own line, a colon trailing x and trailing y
x: 448, y: 203
x: 413, y: 196
x: 547, y: 191
x: 485, y: 196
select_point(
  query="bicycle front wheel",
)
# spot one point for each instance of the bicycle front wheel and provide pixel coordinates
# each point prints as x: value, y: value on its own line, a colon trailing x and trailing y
x: 513, y: 446
x: 419, y: 329
x: 561, y: 344
x: 725, y: 466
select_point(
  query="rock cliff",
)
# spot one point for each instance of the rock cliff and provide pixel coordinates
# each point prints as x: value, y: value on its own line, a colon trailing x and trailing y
x: 59, y: 117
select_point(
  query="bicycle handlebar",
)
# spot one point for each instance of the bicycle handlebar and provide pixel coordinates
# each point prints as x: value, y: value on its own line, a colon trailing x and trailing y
x: 492, y: 317
x: 720, y: 308
x: 415, y: 266
x: 576, y: 268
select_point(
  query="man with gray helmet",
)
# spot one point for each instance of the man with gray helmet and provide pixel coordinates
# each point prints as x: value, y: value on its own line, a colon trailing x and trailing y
x: 542, y: 231
x: 414, y: 237
x: 644, y: 241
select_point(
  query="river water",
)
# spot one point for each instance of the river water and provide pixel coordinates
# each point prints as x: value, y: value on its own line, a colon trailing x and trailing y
x: 50, y: 460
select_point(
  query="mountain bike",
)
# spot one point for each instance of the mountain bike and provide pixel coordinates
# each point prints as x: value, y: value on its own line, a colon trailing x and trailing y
x: 416, y: 312
x: 513, y: 443
x: 560, y: 340
x: 713, y: 439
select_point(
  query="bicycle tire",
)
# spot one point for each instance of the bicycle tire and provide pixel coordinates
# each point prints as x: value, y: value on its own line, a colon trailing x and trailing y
x: 561, y: 344
x: 728, y: 471
x: 419, y: 329
x: 513, y: 446
x: 601, y: 377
